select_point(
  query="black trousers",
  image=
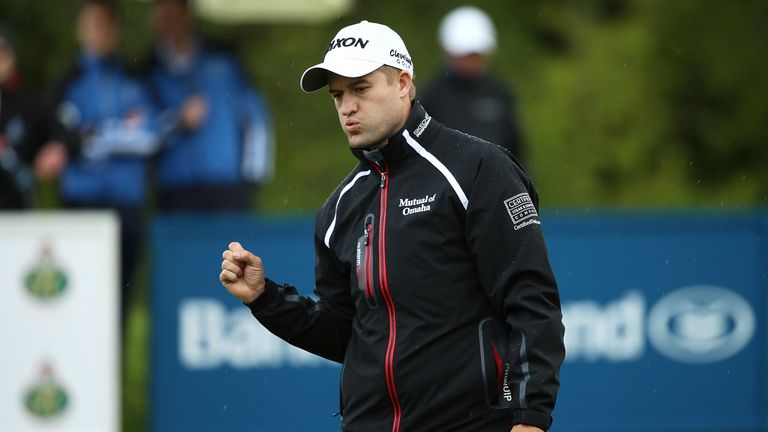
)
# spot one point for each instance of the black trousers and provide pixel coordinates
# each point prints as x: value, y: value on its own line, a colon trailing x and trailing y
x: 131, y: 241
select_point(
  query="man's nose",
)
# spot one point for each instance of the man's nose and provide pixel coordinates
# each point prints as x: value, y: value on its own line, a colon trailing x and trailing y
x: 348, y: 105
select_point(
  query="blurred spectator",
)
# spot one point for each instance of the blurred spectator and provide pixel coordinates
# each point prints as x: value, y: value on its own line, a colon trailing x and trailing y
x: 112, y: 114
x: 218, y: 142
x: 30, y: 144
x: 464, y: 95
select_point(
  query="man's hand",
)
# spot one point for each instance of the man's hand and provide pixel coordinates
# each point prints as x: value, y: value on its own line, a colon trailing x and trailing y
x: 193, y: 112
x: 242, y: 273
x: 525, y: 428
x: 51, y: 160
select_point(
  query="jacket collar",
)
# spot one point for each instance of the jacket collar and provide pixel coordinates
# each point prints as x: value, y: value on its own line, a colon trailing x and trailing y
x: 175, y: 62
x: 419, y: 126
x: 90, y: 61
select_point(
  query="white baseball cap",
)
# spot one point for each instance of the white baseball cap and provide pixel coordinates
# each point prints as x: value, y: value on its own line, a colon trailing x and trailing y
x: 467, y: 30
x: 358, y: 50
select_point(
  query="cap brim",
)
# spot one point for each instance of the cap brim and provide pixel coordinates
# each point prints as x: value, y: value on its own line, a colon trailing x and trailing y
x: 316, y: 77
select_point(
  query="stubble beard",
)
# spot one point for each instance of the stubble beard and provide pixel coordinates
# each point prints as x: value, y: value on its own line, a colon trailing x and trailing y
x: 365, y: 143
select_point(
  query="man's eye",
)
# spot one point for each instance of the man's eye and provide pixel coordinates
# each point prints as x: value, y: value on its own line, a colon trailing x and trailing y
x: 360, y: 89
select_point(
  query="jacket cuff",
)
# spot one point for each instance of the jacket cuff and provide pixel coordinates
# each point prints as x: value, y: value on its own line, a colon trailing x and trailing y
x: 271, y: 290
x: 532, y: 418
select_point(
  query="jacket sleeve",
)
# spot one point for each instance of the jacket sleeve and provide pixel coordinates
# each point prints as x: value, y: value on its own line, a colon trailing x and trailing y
x: 258, y: 137
x: 504, y: 234
x: 133, y: 133
x: 255, y: 122
x: 65, y: 115
x: 321, y: 326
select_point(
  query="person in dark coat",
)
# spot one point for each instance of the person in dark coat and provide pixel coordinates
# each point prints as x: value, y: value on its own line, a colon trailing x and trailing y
x: 464, y: 95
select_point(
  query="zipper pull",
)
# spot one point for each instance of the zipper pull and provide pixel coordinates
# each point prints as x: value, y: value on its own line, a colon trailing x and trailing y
x: 367, y: 225
x: 383, y: 178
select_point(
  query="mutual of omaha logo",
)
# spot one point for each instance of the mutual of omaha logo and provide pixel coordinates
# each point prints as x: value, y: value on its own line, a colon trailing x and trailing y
x: 522, y: 211
x: 46, y: 280
x: 47, y: 398
x: 417, y: 205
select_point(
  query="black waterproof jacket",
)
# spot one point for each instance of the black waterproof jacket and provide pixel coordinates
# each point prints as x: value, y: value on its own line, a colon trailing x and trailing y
x: 434, y: 289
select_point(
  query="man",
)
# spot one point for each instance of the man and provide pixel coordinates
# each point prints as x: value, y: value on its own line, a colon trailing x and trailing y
x: 111, y: 113
x: 218, y: 136
x: 433, y: 284
x: 31, y: 141
x: 464, y: 95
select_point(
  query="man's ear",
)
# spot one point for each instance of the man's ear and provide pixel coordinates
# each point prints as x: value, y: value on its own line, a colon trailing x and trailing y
x: 405, y: 83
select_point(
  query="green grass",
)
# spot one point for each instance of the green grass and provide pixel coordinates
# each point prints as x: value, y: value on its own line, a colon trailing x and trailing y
x: 135, y: 356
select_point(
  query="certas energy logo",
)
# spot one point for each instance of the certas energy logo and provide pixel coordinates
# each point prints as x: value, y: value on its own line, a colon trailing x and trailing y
x: 522, y: 211
x: 347, y: 42
x: 47, y: 398
x: 695, y: 325
x: 46, y: 280
x: 417, y: 205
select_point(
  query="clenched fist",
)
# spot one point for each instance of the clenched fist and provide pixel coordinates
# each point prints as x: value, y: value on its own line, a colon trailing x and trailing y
x: 242, y: 273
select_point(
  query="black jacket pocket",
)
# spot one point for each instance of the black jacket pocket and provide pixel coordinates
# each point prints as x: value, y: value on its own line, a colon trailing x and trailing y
x: 494, y: 363
x: 364, y: 262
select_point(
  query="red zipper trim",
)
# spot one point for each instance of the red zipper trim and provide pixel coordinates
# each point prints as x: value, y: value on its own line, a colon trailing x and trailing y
x: 384, y: 284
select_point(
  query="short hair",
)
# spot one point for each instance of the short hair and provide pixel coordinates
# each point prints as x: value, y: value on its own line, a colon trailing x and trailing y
x: 111, y: 6
x: 183, y: 3
x: 393, y: 73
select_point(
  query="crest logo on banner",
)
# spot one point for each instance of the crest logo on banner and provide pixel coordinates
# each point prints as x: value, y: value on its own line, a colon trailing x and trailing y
x: 46, y: 280
x: 47, y: 398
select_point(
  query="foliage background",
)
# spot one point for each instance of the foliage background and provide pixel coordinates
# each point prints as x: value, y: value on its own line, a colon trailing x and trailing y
x: 624, y: 103
x: 628, y: 104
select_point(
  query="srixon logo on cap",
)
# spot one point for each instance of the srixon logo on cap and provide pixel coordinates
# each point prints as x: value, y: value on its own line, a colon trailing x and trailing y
x: 347, y: 42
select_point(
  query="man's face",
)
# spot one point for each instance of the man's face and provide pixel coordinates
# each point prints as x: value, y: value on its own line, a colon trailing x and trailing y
x: 171, y: 19
x: 7, y: 60
x: 469, y: 66
x: 97, y: 30
x: 370, y: 107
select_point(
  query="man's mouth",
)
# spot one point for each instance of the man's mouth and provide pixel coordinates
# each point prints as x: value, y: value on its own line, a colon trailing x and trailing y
x: 351, y: 126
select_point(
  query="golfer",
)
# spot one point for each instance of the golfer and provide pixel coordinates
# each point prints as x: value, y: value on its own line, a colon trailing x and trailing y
x: 433, y: 286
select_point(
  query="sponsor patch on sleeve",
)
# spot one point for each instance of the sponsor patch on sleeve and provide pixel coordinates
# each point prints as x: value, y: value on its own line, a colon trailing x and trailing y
x: 522, y: 211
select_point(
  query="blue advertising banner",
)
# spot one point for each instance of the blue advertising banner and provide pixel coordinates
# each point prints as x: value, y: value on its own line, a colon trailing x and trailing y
x: 665, y: 322
x: 214, y: 368
x: 665, y: 326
